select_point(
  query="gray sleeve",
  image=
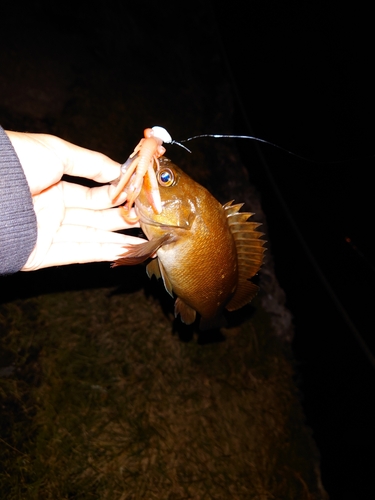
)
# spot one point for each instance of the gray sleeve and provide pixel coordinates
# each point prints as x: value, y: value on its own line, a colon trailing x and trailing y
x: 18, y: 225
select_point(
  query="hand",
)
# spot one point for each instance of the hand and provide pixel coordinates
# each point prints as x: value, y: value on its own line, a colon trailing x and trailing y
x: 75, y: 223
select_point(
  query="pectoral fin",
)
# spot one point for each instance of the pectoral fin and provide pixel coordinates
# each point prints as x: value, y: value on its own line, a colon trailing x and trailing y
x: 135, y: 254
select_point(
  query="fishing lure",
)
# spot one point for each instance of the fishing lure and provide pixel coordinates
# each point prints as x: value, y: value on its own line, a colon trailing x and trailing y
x: 139, y: 169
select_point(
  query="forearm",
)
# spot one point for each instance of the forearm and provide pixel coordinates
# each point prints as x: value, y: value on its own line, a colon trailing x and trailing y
x: 18, y: 226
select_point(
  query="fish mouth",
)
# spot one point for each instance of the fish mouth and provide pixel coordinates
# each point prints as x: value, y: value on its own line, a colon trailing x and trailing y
x: 144, y: 218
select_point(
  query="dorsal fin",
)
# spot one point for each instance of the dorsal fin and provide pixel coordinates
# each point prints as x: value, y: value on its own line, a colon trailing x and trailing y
x: 250, y: 250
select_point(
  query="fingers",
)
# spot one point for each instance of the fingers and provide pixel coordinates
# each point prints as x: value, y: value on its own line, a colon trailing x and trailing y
x: 45, y: 158
x: 78, y: 161
x: 86, y: 163
x: 97, y: 198
x: 79, y: 234
x: 107, y: 220
x: 77, y: 245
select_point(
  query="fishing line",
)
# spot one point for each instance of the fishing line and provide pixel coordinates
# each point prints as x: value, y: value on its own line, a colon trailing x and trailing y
x: 269, y: 143
x: 232, y: 136
x: 340, y: 308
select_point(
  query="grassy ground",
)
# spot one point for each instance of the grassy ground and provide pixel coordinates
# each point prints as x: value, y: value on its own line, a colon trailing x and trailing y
x: 101, y: 400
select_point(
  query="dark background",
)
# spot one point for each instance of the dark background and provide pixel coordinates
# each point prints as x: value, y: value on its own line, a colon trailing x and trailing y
x: 305, y: 83
x: 302, y: 77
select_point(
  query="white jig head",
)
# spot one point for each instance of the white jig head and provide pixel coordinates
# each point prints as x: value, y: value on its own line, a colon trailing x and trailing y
x: 162, y: 134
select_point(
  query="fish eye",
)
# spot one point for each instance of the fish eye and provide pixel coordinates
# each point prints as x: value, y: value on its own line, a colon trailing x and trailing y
x: 165, y: 177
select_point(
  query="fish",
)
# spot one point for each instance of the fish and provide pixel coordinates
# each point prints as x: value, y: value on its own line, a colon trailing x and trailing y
x: 205, y: 252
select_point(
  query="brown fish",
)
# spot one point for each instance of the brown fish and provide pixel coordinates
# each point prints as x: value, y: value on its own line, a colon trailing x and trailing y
x: 206, y: 252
